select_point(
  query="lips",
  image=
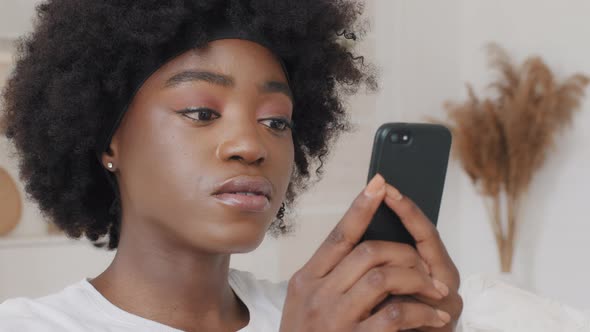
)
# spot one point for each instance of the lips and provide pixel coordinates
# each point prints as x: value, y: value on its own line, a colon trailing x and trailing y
x: 248, y: 193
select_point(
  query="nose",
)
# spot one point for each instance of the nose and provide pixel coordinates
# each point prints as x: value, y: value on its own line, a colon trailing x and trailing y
x: 242, y: 143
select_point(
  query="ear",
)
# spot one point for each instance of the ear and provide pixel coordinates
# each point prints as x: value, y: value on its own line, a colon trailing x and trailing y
x: 111, y: 155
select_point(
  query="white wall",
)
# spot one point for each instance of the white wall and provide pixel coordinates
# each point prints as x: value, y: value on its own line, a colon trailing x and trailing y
x: 437, y: 46
x: 15, y: 17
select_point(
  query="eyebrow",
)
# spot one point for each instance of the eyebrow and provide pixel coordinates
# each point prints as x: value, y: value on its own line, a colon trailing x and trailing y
x: 224, y: 81
x: 277, y: 87
x: 196, y: 75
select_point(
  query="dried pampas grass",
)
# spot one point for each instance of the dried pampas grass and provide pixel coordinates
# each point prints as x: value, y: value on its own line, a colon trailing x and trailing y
x: 503, y: 140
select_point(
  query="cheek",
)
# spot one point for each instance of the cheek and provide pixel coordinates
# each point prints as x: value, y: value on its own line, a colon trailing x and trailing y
x: 161, y: 166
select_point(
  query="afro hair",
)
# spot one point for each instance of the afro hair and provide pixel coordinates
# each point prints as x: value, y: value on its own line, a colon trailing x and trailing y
x: 79, y: 65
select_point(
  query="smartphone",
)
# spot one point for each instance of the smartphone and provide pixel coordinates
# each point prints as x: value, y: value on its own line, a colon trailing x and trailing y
x: 412, y: 157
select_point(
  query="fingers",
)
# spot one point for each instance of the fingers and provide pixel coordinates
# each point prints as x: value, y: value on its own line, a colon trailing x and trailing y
x: 379, y: 282
x: 349, y: 230
x: 369, y: 254
x: 452, y: 304
x: 397, y: 316
x: 442, y: 288
x: 428, y: 241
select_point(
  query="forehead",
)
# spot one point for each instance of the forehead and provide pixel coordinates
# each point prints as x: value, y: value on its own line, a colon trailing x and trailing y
x: 241, y: 59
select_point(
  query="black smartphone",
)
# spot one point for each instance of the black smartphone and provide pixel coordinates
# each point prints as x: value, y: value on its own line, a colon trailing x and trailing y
x: 412, y: 157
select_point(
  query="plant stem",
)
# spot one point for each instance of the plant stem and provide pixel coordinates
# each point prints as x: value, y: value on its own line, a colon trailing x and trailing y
x: 494, y: 210
x: 513, y: 206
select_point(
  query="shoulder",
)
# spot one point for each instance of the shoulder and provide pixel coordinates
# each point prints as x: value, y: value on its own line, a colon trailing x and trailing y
x: 61, y: 311
x: 23, y: 314
x: 19, y: 315
x: 273, y: 293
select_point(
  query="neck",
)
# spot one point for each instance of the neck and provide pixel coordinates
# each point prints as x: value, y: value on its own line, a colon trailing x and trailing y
x: 173, y: 285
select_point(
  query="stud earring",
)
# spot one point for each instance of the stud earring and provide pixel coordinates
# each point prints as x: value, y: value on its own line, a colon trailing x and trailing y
x: 110, y: 166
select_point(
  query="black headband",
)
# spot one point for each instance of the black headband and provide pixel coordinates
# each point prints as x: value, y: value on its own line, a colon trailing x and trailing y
x: 225, y: 31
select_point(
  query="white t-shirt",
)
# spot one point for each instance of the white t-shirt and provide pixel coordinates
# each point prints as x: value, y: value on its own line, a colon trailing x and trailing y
x: 81, y: 307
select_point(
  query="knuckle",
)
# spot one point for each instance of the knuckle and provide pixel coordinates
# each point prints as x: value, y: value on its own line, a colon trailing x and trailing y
x: 367, y: 249
x: 394, y: 314
x: 298, y: 283
x: 314, y: 307
x: 337, y: 238
x: 376, y: 278
x: 359, y: 203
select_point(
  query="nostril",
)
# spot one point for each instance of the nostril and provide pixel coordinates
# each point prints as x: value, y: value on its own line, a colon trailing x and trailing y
x: 259, y: 161
x: 252, y: 161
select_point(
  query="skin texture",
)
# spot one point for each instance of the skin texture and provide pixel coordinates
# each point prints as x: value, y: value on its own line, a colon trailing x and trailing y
x: 167, y: 166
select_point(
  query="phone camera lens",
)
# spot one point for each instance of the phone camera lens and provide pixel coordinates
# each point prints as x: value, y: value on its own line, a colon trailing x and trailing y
x: 400, y: 137
x: 394, y: 137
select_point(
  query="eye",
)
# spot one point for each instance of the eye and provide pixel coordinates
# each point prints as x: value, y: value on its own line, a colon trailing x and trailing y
x: 201, y: 114
x: 277, y: 124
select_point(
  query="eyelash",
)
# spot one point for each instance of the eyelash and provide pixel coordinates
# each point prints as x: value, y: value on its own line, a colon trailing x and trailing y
x: 199, y: 110
x: 286, y: 124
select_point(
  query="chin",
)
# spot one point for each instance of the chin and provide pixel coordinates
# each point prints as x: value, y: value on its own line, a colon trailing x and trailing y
x: 240, y: 245
x: 238, y: 237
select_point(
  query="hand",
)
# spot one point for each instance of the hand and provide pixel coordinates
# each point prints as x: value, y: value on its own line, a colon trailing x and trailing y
x: 341, y: 286
x: 433, y: 252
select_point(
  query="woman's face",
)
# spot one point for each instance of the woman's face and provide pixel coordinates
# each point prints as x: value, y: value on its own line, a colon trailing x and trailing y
x: 204, y: 154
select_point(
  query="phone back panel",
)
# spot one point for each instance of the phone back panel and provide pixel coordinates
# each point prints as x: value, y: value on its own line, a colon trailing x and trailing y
x: 417, y: 169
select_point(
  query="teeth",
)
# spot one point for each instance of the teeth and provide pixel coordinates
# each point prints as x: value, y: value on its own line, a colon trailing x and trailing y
x: 247, y: 193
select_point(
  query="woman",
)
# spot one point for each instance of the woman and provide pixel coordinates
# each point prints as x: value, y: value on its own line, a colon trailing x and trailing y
x: 176, y: 132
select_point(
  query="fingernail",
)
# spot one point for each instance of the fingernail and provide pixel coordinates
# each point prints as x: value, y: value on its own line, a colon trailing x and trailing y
x: 438, y: 324
x: 394, y: 193
x: 375, y: 186
x: 441, y: 287
x: 444, y: 316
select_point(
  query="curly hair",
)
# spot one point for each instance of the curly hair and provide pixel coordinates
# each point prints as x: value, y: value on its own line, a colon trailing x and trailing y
x: 78, y: 66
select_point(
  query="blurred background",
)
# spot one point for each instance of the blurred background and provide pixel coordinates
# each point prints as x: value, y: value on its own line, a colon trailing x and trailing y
x: 425, y: 51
